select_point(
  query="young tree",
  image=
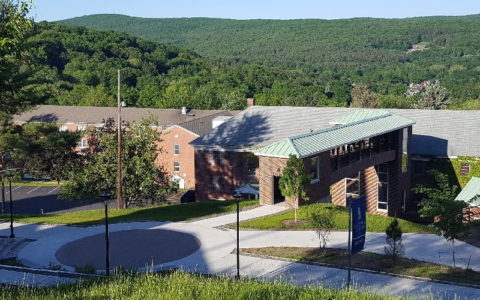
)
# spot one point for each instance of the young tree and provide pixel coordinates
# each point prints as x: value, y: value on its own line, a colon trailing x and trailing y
x: 294, y: 181
x: 323, y: 222
x: 449, y: 214
x: 433, y: 97
x: 395, y: 247
x: 362, y: 97
x: 143, y: 182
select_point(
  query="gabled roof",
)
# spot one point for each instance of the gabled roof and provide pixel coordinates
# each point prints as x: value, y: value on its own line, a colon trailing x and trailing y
x: 201, y: 126
x: 323, y: 140
x: 95, y: 115
x: 436, y: 132
x: 469, y: 191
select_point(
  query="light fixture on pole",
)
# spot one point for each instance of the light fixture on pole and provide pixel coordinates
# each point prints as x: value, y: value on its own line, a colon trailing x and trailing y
x: 106, y: 197
x: 9, y: 177
x: 237, y: 197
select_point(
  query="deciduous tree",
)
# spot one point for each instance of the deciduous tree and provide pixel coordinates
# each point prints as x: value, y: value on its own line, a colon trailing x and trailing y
x: 294, y: 181
x: 449, y: 214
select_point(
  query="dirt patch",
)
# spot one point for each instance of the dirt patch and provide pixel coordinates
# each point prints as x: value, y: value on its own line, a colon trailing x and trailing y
x: 292, y: 224
x: 370, y: 261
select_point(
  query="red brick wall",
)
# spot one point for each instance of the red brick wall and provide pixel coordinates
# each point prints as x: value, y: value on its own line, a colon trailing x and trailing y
x: 166, y: 156
x: 219, y: 173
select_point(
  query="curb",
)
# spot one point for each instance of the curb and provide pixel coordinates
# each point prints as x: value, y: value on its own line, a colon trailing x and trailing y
x: 49, y: 272
x: 475, y: 286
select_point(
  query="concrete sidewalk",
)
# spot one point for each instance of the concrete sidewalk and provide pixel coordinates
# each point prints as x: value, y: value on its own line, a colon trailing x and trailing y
x: 214, y: 255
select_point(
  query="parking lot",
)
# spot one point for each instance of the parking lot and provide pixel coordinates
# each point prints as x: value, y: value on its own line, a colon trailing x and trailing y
x: 35, y: 200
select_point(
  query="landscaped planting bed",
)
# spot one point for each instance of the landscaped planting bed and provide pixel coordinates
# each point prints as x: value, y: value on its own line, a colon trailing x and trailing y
x: 285, y: 221
x: 371, y: 261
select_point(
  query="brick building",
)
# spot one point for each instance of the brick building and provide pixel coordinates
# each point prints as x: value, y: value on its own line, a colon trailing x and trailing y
x: 178, y: 127
x: 177, y: 155
x: 378, y: 165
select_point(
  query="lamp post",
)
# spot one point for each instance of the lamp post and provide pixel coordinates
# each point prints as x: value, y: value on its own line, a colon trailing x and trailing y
x: 237, y: 197
x: 3, y: 195
x: 106, y: 197
x: 9, y: 177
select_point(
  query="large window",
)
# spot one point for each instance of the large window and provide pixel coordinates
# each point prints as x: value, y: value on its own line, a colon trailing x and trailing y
x: 382, y: 192
x: 176, y: 166
x: 315, y: 168
x: 176, y: 149
x: 405, y: 150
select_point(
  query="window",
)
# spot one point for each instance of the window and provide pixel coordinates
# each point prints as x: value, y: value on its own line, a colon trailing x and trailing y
x: 352, y: 185
x: 315, y: 168
x: 176, y: 149
x: 405, y: 150
x: 382, y: 182
x: 176, y: 166
x: 82, y: 144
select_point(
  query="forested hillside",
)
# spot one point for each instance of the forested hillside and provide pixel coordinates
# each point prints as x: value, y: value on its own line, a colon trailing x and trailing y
x: 77, y: 66
x: 372, y: 51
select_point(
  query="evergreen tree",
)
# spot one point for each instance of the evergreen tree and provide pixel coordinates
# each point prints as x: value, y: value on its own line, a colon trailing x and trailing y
x: 395, y: 247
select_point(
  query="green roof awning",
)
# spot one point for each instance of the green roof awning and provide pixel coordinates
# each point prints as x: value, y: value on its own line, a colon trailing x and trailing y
x: 325, y: 139
x: 469, y: 191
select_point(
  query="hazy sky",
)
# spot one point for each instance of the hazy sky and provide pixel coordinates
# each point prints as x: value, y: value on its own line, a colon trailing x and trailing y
x: 52, y: 10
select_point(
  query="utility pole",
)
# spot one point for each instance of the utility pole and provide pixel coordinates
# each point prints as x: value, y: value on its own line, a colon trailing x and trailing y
x: 120, y: 203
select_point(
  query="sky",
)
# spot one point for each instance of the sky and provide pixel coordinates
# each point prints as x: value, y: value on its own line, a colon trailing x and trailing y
x: 53, y: 10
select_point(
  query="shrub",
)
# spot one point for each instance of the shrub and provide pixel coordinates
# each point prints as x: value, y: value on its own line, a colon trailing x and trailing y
x: 395, y: 247
x: 87, y: 269
x: 323, y: 222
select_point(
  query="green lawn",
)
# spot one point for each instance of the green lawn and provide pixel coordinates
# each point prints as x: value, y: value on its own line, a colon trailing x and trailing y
x: 32, y: 183
x: 180, y: 286
x: 177, y: 212
x: 372, y: 261
x: 375, y: 223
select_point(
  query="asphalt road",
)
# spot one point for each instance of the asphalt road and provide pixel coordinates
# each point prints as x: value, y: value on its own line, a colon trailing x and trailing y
x: 33, y: 200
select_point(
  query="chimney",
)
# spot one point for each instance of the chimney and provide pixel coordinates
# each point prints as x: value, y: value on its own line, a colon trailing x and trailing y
x: 250, y: 102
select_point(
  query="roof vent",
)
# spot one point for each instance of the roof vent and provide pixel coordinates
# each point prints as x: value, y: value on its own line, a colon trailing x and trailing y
x: 185, y: 110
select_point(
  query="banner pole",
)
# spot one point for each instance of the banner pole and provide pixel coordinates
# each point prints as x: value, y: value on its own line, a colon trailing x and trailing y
x: 349, y: 241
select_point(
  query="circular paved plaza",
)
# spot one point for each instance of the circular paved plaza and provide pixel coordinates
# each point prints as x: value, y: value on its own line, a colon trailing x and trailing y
x: 130, y: 249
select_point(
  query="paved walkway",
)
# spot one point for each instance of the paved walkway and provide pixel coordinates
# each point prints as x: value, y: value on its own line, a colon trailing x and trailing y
x: 214, y: 255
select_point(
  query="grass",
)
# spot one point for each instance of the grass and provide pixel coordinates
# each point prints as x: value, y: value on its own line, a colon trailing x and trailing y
x: 375, y: 223
x: 32, y: 183
x: 177, y: 212
x: 180, y: 286
x: 372, y: 261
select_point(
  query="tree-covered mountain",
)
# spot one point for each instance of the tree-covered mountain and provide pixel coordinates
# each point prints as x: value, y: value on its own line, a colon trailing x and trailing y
x: 373, y: 51
x: 77, y: 66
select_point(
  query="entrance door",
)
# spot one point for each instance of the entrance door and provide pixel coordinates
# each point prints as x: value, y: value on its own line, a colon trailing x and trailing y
x: 179, y: 180
x: 277, y: 194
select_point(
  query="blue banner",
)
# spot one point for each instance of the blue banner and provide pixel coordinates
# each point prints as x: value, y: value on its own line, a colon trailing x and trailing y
x: 359, y: 224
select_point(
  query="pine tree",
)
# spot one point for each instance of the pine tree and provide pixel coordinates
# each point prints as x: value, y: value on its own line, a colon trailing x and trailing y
x: 395, y: 247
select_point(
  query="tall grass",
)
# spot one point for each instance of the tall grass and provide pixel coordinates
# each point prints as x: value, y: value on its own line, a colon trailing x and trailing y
x: 180, y: 286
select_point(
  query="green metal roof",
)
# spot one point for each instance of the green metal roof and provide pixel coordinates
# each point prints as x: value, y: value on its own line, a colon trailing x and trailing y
x: 469, y: 191
x: 325, y: 139
x: 359, y: 115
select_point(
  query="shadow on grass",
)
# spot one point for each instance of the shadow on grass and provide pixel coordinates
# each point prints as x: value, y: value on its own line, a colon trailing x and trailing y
x: 175, y: 213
